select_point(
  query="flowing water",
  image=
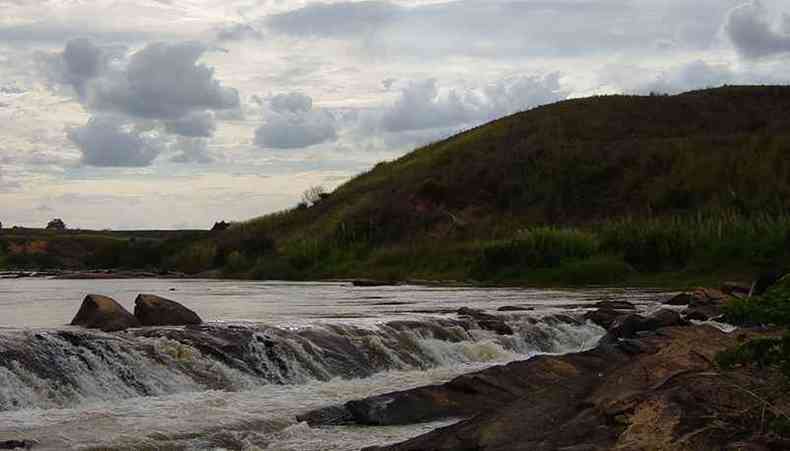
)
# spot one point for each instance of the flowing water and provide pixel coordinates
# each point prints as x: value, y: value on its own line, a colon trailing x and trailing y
x: 268, y: 352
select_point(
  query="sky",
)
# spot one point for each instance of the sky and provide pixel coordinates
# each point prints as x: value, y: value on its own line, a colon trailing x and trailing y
x: 140, y: 114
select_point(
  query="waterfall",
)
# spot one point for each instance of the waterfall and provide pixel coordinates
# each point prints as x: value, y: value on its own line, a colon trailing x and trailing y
x: 65, y: 367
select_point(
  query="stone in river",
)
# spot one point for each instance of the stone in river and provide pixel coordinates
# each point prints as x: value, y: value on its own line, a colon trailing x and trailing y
x: 102, y: 312
x: 153, y: 310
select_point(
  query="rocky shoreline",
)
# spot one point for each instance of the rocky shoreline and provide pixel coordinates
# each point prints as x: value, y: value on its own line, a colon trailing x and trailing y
x: 650, y: 384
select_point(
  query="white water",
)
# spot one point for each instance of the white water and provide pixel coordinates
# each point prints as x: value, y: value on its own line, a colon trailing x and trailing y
x: 194, y: 401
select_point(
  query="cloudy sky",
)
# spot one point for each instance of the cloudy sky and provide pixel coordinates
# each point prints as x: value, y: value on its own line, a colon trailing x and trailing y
x: 176, y: 113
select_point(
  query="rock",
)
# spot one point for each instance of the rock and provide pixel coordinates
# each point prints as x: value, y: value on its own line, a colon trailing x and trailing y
x: 604, y: 317
x: 765, y: 281
x: 664, y: 318
x: 17, y: 444
x: 695, y: 315
x: 515, y: 308
x: 152, y: 310
x: 680, y: 299
x: 670, y: 396
x: 615, y: 305
x: 102, y: 312
x: 371, y: 283
x: 736, y: 289
x: 487, y: 321
x: 629, y: 325
x: 327, y: 416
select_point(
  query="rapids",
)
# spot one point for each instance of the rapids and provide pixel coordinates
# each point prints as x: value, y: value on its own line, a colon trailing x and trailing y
x: 238, y: 381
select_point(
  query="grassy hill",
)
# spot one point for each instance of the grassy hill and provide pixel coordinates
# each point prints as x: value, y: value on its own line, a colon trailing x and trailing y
x: 597, y: 190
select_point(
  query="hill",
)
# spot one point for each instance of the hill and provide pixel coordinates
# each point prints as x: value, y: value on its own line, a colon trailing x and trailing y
x: 602, y: 189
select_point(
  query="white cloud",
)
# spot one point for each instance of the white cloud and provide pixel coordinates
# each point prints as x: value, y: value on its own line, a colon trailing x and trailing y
x: 422, y: 105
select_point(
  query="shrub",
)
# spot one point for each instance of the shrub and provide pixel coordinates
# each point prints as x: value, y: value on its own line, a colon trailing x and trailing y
x: 771, y: 308
x: 236, y: 263
x: 763, y: 352
x: 541, y: 247
x: 196, y: 258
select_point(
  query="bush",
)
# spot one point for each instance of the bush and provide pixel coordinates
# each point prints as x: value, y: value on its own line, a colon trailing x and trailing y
x: 196, y: 258
x: 236, y: 263
x: 771, y: 308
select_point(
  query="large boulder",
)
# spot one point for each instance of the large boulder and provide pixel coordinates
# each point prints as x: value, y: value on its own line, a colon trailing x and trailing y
x: 102, y: 312
x: 153, y: 310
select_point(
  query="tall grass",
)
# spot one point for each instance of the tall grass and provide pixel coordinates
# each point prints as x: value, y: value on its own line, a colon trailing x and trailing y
x: 539, y: 247
x: 702, y: 240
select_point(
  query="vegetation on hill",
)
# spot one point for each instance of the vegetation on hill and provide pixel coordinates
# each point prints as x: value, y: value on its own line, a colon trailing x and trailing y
x: 597, y: 190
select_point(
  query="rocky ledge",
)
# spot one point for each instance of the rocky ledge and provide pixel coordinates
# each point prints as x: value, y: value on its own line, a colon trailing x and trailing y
x: 651, y: 384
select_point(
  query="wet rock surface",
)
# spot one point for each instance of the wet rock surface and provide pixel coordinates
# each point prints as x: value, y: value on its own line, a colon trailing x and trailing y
x: 702, y: 304
x: 153, y: 310
x: 104, y: 313
x: 486, y: 320
x: 655, y: 392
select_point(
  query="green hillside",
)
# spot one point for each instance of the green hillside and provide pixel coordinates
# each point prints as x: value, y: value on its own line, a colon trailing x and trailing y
x: 612, y: 189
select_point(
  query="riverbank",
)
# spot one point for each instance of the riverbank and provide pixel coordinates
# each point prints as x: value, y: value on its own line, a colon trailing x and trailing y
x: 651, y: 384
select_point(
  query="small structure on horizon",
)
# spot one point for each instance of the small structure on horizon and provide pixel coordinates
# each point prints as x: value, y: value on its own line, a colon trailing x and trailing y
x: 220, y: 226
x: 56, y: 224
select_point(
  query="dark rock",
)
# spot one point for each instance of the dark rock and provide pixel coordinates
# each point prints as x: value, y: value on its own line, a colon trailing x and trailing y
x: 498, y: 326
x: 695, y: 315
x: 680, y: 299
x: 152, y: 310
x: 629, y: 325
x: 604, y: 317
x: 664, y: 318
x: 765, y: 281
x: 612, y: 397
x: 515, y: 308
x: 736, y: 289
x: 327, y: 416
x: 102, y: 312
x: 615, y: 305
x: 371, y: 283
x: 487, y: 321
x: 17, y: 444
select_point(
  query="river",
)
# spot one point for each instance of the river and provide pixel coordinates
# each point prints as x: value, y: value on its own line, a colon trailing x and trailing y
x: 268, y: 352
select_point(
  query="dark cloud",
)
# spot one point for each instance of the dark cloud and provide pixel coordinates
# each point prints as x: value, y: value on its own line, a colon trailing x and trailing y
x: 754, y: 34
x: 110, y: 142
x: 294, y: 102
x: 294, y: 124
x: 163, y: 81
x: 80, y: 62
x: 195, y: 124
x: 296, y: 131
